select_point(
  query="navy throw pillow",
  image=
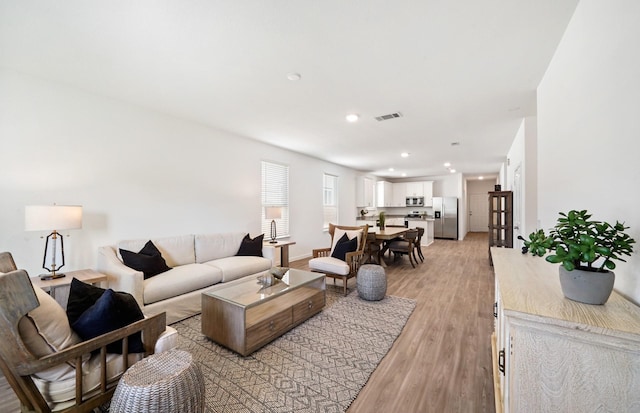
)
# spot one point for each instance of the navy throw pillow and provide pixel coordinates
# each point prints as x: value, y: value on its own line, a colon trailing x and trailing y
x: 110, y: 312
x: 148, y: 260
x: 343, y: 246
x: 251, y: 247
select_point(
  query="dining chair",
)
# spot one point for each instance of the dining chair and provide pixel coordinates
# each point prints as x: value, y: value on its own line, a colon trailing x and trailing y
x: 405, y: 246
x: 418, y: 244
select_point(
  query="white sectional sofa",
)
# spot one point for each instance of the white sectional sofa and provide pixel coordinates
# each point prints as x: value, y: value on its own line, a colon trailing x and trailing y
x: 198, y: 263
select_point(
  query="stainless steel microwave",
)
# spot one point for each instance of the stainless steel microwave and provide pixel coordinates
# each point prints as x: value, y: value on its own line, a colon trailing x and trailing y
x: 413, y: 201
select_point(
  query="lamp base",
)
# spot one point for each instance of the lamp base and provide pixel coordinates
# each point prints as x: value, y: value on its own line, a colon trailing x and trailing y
x: 45, y: 277
x: 273, y: 241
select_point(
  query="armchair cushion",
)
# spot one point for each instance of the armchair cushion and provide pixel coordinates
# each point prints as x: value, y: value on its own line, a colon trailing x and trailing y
x: 45, y: 329
x: 337, y: 235
x: 111, y: 312
x: 343, y: 246
x: 329, y: 264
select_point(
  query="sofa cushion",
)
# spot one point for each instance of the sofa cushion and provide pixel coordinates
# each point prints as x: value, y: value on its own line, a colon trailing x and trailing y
x: 180, y: 280
x: 329, y: 264
x: 148, y: 260
x: 111, y: 312
x: 213, y: 246
x: 178, y: 250
x: 239, y: 266
x: 251, y: 247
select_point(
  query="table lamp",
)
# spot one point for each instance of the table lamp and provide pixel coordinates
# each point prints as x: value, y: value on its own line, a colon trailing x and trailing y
x: 273, y: 213
x: 52, y: 218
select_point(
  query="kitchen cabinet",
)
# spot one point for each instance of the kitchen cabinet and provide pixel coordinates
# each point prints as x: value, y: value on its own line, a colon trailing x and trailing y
x: 428, y: 193
x: 415, y: 189
x: 384, y: 194
x: 399, y: 198
x: 551, y: 354
x: 364, y: 192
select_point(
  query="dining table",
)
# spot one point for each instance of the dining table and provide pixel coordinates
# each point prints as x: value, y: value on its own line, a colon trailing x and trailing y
x: 384, y: 235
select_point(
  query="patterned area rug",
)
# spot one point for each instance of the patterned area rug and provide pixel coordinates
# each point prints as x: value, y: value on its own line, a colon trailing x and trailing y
x: 320, y: 366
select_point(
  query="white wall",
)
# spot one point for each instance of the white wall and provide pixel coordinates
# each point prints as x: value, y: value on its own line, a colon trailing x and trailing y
x: 588, y: 127
x: 139, y: 174
x: 523, y: 156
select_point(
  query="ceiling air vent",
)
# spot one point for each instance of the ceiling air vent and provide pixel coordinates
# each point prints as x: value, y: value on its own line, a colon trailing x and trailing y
x: 389, y: 116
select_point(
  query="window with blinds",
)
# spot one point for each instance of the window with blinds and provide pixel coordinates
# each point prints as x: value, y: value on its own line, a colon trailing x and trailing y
x: 275, y: 198
x: 330, y: 199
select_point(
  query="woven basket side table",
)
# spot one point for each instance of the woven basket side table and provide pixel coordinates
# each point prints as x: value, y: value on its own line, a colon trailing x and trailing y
x: 371, y: 282
x: 165, y: 382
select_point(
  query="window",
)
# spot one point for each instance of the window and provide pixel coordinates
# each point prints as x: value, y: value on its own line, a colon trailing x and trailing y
x: 275, y: 193
x: 330, y: 199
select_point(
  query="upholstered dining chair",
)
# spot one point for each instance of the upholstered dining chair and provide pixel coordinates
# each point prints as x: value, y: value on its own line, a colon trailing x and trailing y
x: 48, y: 366
x: 371, y: 249
x: 334, y: 261
x: 405, y: 246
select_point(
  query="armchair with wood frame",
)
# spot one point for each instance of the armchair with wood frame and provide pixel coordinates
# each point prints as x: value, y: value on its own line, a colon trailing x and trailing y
x: 78, y: 376
x: 329, y: 260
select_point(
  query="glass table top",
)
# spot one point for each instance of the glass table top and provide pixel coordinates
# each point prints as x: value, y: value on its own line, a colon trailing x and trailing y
x: 251, y: 291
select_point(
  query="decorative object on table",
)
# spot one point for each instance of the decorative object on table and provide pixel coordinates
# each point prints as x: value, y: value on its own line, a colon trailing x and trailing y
x: 497, y: 188
x: 267, y: 280
x: 371, y: 282
x: 586, y: 250
x: 278, y: 272
x: 273, y: 213
x: 165, y: 382
x: 52, y: 218
x: 381, y: 219
x: 363, y: 212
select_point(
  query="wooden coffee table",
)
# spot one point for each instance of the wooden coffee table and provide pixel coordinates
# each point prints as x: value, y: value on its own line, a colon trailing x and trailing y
x: 245, y: 316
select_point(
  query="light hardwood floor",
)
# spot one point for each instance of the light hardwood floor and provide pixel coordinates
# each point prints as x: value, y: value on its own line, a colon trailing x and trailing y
x: 442, y: 360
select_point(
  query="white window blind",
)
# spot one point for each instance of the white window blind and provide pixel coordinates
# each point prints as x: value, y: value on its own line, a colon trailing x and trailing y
x: 275, y: 193
x: 330, y: 199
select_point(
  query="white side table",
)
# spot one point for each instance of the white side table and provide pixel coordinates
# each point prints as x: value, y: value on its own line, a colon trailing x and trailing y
x: 58, y: 288
x: 284, y: 250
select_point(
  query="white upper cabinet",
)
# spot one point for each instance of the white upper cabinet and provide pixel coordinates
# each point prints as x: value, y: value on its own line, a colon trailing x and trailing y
x: 415, y: 189
x: 364, y: 192
x: 399, y: 195
x: 428, y: 193
x: 384, y: 194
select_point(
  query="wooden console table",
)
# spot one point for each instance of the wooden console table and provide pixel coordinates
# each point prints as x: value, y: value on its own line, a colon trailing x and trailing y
x: 552, y: 354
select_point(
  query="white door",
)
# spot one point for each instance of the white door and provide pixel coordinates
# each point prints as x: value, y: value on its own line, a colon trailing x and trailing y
x: 479, y: 213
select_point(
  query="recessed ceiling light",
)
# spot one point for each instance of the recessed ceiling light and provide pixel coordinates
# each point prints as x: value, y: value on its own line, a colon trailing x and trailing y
x: 404, y: 174
x: 352, y: 117
x: 405, y: 154
x: 447, y: 164
x: 294, y: 76
x: 452, y: 171
x: 391, y: 169
x: 481, y: 178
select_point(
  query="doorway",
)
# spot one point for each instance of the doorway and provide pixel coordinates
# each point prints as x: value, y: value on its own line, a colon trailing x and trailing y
x: 478, y: 213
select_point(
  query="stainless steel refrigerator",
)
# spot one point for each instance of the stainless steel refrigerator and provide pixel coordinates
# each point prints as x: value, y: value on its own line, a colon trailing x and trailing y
x: 445, y: 214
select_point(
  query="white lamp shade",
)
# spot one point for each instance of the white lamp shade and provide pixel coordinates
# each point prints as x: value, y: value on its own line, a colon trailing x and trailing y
x: 273, y: 212
x: 52, y: 217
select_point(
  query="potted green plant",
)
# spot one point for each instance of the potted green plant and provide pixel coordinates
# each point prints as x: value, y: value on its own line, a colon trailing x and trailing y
x: 586, y: 251
x: 381, y: 219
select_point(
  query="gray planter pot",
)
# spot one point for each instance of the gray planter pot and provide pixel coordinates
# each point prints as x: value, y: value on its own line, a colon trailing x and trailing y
x: 588, y: 287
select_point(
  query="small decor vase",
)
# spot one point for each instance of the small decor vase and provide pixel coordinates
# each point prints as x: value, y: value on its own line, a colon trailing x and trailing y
x: 588, y: 287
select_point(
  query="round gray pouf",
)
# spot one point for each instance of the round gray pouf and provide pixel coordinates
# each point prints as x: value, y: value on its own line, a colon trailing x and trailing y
x: 371, y: 282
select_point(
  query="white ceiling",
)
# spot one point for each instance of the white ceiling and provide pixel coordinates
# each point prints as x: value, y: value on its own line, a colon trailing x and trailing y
x: 458, y: 70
